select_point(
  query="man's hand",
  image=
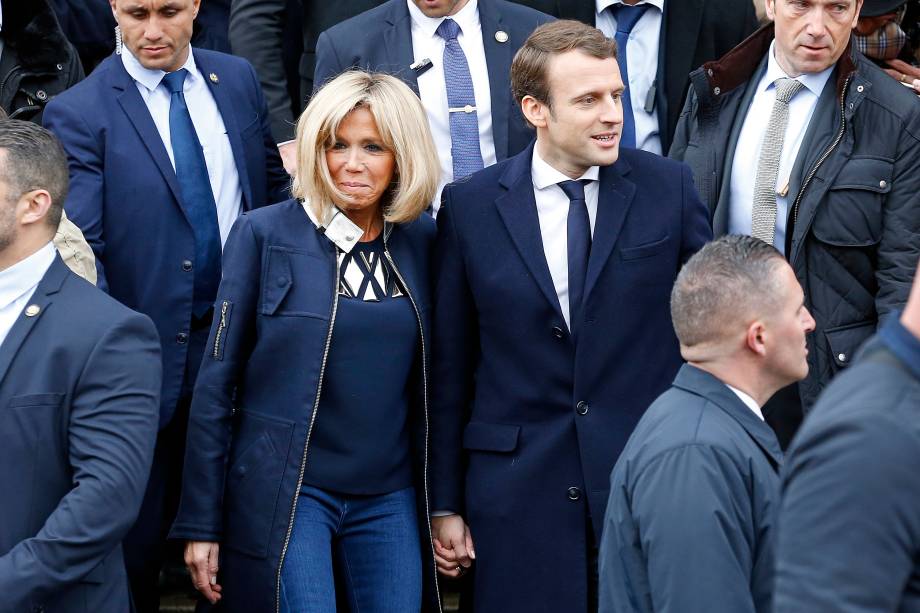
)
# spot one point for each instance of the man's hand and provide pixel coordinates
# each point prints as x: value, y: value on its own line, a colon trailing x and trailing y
x: 905, y: 73
x: 201, y: 560
x: 453, y: 545
x: 288, y: 153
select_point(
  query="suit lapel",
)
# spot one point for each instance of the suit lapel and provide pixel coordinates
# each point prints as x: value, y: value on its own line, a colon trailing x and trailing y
x: 615, y: 195
x: 225, y: 107
x: 397, y: 41
x: 139, y: 116
x: 498, y: 64
x: 47, y: 287
x: 518, y: 210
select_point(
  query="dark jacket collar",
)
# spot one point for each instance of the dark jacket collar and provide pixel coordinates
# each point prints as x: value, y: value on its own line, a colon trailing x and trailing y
x: 700, y: 382
x: 736, y: 67
x: 32, y: 30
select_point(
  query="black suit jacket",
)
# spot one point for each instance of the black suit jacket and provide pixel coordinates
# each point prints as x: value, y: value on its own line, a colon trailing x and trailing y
x: 693, y: 32
x: 79, y: 400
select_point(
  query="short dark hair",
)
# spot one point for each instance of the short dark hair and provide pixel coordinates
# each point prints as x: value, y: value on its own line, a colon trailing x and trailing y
x: 730, y: 278
x: 33, y: 159
x: 528, y: 70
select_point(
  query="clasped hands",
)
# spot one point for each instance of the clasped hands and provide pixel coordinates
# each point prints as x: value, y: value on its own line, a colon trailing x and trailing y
x: 453, y: 545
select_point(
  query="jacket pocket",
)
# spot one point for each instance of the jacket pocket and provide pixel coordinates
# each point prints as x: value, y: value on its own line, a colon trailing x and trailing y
x: 844, y: 341
x: 36, y: 400
x: 481, y: 436
x: 254, y: 478
x: 296, y: 283
x: 851, y: 215
x: 645, y: 250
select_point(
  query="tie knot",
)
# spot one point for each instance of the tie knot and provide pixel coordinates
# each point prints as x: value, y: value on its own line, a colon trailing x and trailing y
x: 627, y: 15
x: 575, y: 190
x: 448, y: 30
x: 175, y: 80
x: 786, y: 89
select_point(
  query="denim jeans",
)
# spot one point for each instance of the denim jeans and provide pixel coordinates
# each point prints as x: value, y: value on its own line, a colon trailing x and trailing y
x: 371, y: 543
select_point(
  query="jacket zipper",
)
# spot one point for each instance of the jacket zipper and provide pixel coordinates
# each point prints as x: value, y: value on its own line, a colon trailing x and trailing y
x: 421, y: 330
x: 306, y: 445
x: 220, y: 329
x: 825, y: 155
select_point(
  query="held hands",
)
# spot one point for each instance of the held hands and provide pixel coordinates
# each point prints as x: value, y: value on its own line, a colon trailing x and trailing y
x: 453, y: 545
x: 905, y: 73
x: 201, y: 561
x: 288, y: 152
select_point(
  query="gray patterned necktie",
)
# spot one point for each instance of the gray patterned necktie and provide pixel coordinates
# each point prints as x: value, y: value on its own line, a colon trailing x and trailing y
x: 763, y: 225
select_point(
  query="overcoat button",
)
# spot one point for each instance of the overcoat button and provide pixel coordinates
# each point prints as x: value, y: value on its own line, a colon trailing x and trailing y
x: 582, y: 407
x: 574, y: 493
x: 557, y: 332
x: 282, y: 281
x: 182, y: 338
x: 186, y: 265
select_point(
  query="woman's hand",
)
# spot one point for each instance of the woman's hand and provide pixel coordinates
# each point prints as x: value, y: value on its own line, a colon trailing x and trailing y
x: 201, y: 561
x: 905, y: 73
x: 453, y: 545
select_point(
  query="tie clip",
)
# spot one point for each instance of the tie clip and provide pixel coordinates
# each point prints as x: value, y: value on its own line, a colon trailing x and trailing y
x: 461, y: 109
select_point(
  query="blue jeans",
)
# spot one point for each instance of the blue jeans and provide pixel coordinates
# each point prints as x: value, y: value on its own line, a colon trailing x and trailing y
x: 372, y: 542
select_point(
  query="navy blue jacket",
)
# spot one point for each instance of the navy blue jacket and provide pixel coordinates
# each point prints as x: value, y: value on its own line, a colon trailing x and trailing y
x: 693, y: 504
x: 124, y: 194
x: 79, y: 399
x: 849, y: 526
x: 381, y: 40
x: 527, y: 425
x: 258, y: 389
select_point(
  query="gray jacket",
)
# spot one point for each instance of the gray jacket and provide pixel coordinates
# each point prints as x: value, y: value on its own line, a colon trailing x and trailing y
x: 853, y: 233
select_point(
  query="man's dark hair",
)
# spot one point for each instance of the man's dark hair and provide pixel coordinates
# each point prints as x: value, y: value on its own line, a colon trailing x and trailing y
x: 731, y: 278
x: 529, y: 68
x: 32, y: 158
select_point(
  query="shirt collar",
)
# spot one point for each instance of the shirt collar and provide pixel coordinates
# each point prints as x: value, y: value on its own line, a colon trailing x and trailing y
x: 901, y: 342
x: 150, y: 78
x: 24, y: 275
x: 603, y: 5
x: 343, y: 233
x: 747, y: 400
x: 467, y: 18
x: 813, y: 81
x: 544, y: 175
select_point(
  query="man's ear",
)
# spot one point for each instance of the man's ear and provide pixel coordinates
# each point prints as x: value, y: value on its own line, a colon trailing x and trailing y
x: 756, y: 338
x: 34, y: 206
x: 534, y: 111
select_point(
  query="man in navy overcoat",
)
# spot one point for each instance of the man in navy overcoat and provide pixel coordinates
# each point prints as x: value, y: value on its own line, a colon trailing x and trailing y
x: 552, y: 332
x: 123, y: 133
x: 691, y: 518
x: 79, y: 402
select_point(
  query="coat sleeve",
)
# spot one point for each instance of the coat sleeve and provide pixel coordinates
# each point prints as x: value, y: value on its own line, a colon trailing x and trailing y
x: 899, y: 248
x: 85, y: 158
x: 114, y: 413
x: 256, y: 32
x: 455, y: 348
x: 693, y: 513
x: 230, y: 342
x: 696, y: 225
x: 848, y: 527
x: 686, y: 124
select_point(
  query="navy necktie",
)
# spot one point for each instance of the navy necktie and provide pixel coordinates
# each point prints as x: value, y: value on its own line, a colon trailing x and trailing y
x: 626, y: 17
x: 579, y: 248
x: 197, y: 197
x: 461, y: 104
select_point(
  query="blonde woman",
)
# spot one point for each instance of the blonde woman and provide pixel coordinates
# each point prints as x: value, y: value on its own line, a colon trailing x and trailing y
x: 307, y: 443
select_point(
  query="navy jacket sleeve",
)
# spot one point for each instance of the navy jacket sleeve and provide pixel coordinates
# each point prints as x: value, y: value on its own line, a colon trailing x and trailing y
x: 229, y: 345
x: 697, y: 225
x: 693, y: 513
x: 85, y: 159
x: 848, y: 525
x: 455, y: 350
x: 114, y: 413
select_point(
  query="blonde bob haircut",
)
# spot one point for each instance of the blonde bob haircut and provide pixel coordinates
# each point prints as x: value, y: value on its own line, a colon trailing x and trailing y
x: 403, y: 127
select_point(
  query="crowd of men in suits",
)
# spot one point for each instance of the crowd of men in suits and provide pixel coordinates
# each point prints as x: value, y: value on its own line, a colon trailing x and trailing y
x: 612, y: 390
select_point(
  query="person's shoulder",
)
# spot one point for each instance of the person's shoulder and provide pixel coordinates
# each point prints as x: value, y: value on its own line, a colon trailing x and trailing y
x: 645, y: 166
x: 521, y: 15
x: 231, y: 65
x: 268, y: 216
x: 367, y: 21
x: 93, y: 312
x: 422, y: 228
x: 889, y: 94
x: 93, y: 87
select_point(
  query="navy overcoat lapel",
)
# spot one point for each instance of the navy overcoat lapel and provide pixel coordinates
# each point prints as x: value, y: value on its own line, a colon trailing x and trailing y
x: 615, y: 196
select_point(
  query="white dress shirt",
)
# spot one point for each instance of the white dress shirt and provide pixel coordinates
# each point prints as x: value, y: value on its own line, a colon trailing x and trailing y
x: 553, y: 211
x: 641, y: 63
x: 748, y: 401
x: 18, y: 283
x: 747, y: 151
x: 209, y: 125
x: 433, y: 91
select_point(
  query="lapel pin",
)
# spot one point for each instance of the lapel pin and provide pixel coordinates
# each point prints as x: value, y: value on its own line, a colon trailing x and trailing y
x: 213, y: 78
x: 32, y: 310
x: 501, y: 36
